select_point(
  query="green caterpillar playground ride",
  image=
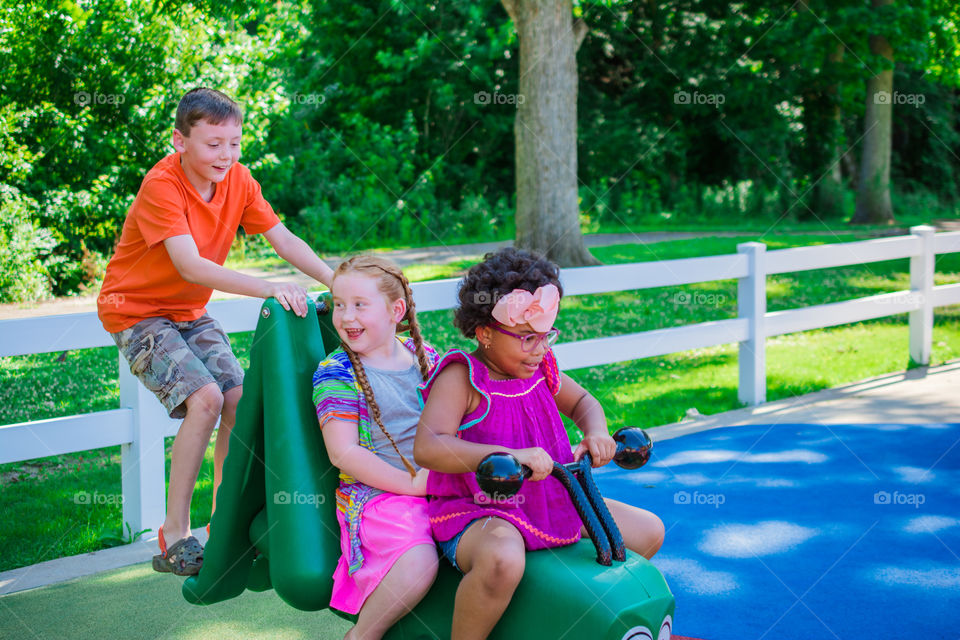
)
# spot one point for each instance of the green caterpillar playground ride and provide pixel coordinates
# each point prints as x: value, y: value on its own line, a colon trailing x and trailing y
x: 275, y: 525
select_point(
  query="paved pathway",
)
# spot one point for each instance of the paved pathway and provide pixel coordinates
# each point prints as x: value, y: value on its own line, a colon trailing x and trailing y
x: 923, y: 395
x: 920, y: 396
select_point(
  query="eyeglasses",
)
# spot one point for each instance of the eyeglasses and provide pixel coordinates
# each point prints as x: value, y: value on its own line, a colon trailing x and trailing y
x: 530, y: 341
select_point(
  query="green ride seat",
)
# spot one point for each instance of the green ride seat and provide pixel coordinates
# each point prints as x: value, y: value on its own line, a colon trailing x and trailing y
x: 275, y: 525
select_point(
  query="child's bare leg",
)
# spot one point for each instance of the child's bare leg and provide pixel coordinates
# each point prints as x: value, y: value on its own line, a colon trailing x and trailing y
x: 492, y: 556
x: 397, y: 594
x: 203, y: 410
x: 642, y: 530
x: 228, y: 417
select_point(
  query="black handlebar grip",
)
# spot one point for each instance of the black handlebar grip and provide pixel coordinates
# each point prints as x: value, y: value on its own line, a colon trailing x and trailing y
x: 585, y: 476
x: 582, y: 504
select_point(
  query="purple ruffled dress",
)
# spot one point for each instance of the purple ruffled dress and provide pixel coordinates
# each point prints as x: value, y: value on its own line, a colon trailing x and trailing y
x: 515, y: 413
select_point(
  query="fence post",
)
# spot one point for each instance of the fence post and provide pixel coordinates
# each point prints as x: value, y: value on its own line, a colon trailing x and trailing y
x: 142, y: 460
x: 921, y: 285
x: 752, y: 306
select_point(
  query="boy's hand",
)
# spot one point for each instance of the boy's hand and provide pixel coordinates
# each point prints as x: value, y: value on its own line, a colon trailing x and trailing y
x: 537, y: 459
x: 601, y: 446
x: 291, y: 296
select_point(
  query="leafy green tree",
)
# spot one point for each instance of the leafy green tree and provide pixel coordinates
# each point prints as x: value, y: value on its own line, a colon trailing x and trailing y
x: 89, y: 92
x: 387, y: 122
x: 24, y: 249
x: 388, y: 137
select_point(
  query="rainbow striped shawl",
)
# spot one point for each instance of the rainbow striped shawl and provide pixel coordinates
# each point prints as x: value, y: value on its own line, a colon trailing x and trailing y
x: 338, y: 396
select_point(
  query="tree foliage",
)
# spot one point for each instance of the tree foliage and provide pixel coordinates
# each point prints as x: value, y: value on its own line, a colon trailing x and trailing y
x: 391, y: 122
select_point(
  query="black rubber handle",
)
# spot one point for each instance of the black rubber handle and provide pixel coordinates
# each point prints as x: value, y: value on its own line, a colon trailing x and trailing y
x: 584, y: 507
x: 501, y: 474
x: 585, y: 476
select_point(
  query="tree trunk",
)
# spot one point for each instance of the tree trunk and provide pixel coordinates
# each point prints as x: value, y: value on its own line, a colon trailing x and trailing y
x: 873, y: 192
x: 545, y: 130
x: 829, y: 192
x: 823, y: 127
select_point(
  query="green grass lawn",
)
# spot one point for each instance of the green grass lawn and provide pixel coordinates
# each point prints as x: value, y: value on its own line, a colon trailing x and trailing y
x: 43, y: 519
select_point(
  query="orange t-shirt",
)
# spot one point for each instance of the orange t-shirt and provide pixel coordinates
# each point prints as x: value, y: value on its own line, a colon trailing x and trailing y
x: 141, y: 281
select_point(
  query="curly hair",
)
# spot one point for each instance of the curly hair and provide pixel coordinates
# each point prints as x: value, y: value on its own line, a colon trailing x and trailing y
x: 500, y: 273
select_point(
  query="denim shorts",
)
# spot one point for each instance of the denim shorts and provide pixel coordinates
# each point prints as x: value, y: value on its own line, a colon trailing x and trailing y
x: 174, y: 359
x: 448, y: 548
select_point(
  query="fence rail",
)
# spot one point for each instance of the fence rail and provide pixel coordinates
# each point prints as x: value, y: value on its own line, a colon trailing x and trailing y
x: 140, y: 426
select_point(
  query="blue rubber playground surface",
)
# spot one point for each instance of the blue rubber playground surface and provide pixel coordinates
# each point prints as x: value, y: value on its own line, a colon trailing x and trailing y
x: 803, y: 531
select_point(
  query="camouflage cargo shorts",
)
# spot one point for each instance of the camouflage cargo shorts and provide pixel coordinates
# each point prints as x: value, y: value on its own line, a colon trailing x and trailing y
x: 175, y: 359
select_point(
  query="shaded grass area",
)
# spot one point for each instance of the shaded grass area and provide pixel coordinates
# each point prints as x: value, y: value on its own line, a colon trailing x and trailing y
x: 912, y: 209
x: 45, y: 518
x: 137, y: 603
x: 70, y: 504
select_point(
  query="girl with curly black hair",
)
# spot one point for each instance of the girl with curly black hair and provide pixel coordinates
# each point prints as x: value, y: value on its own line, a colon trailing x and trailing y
x: 507, y: 396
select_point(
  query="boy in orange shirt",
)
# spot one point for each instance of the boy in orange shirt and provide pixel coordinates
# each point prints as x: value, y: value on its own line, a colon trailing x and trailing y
x: 170, y: 257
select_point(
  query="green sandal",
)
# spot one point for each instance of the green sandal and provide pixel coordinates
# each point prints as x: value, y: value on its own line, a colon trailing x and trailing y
x: 183, y: 558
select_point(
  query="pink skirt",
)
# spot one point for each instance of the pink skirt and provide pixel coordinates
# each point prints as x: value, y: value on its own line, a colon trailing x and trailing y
x: 391, y: 524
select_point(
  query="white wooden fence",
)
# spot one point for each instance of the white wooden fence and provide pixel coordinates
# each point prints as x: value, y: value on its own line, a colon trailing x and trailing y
x: 141, y: 424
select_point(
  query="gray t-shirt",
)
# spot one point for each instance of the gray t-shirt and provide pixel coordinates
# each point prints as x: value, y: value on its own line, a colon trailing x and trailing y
x: 396, y: 395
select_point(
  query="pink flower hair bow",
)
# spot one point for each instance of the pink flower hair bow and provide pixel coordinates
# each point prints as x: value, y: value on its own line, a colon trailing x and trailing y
x: 538, y: 309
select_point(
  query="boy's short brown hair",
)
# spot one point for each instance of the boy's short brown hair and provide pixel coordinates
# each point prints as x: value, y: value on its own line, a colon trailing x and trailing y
x: 205, y: 104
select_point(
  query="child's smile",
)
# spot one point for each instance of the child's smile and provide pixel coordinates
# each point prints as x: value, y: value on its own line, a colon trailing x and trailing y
x: 531, y: 367
x: 353, y: 334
